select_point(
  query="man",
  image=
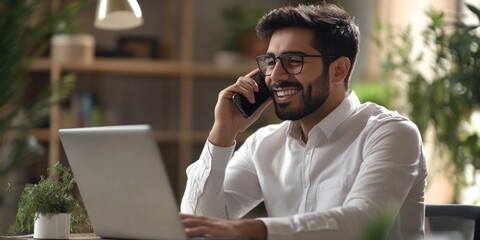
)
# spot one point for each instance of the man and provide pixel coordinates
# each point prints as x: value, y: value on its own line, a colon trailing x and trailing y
x: 331, y: 168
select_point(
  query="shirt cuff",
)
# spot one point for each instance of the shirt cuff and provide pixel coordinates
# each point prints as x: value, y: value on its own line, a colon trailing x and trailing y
x: 220, y: 156
x: 277, y: 226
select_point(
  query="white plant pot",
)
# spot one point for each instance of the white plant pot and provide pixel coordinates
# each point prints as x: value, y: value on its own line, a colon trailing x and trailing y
x: 56, y: 226
x: 73, y: 48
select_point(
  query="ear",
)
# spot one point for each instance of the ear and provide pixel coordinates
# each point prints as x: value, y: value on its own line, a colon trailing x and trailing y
x: 339, y: 69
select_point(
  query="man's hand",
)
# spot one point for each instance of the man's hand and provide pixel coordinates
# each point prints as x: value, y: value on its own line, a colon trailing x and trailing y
x: 228, y: 120
x: 202, y: 226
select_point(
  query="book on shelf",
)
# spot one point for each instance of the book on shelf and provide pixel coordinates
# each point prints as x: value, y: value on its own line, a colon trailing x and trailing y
x: 83, y: 110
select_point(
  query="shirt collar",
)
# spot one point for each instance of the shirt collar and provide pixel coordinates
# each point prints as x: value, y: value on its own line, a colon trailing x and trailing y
x: 332, y: 120
x: 339, y: 114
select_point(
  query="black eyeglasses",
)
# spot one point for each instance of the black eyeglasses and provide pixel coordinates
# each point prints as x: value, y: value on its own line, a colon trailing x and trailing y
x: 292, y: 63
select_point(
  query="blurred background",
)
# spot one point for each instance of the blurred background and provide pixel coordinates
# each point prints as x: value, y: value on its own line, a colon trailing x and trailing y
x: 415, y: 58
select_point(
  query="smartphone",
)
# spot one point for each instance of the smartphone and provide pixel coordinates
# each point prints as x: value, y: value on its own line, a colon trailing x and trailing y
x: 244, y: 106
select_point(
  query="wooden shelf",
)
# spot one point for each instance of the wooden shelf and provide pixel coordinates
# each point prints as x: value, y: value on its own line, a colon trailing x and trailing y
x: 211, y: 70
x: 145, y: 67
x: 167, y: 136
x: 41, y: 134
x: 200, y: 137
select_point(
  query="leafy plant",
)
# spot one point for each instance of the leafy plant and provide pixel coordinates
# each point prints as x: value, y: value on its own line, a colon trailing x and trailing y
x: 379, y: 227
x: 239, y: 21
x: 445, y: 97
x: 23, y: 38
x: 377, y: 91
x: 51, y: 195
x: 25, y: 30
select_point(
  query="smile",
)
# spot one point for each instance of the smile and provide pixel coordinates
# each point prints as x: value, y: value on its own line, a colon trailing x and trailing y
x: 285, y: 93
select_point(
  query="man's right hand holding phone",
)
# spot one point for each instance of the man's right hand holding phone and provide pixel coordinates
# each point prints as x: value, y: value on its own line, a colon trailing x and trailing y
x: 229, y: 121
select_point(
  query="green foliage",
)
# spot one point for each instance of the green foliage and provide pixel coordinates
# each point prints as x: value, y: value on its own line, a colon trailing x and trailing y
x: 379, y: 227
x: 25, y: 28
x: 377, y: 91
x: 445, y: 97
x: 239, y: 21
x: 50, y: 195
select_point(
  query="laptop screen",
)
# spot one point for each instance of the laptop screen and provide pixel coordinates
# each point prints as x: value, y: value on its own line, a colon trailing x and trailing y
x: 123, y: 182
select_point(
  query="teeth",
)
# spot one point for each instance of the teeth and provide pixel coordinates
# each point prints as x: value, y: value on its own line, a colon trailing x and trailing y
x: 285, y: 93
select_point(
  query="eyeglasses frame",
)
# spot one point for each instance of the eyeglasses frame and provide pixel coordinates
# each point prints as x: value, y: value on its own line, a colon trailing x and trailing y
x: 302, y: 55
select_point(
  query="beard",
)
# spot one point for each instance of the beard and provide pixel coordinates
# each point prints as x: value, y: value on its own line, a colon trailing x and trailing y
x: 314, y: 96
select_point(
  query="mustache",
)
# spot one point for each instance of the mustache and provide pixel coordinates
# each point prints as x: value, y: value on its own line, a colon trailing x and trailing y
x: 285, y: 84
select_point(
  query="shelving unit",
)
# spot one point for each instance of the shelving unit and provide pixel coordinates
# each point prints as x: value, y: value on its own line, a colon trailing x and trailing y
x: 185, y: 136
x: 183, y: 69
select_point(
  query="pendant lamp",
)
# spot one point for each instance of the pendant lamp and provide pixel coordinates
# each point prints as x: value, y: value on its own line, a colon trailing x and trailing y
x: 118, y: 14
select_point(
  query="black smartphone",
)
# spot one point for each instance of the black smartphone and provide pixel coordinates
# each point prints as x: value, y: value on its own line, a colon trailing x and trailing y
x: 244, y: 106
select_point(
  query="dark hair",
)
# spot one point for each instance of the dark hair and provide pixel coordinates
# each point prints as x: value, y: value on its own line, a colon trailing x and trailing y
x: 335, y: 32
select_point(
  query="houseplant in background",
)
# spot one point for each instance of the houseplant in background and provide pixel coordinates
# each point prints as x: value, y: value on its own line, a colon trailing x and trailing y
x: 69, y: 43
x: 241, y: 40
x: 25, y: 34
x: 445, y: 97
x: 46, y: 207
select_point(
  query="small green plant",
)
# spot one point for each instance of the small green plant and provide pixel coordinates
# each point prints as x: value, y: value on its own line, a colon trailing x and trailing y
x: 379, y: 227
x: 51, y: 195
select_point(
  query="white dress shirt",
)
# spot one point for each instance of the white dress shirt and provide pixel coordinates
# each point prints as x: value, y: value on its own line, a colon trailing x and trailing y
x: 360, y: 162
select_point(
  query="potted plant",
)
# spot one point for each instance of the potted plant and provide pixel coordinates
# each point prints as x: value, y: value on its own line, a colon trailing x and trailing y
x: 241, y: 40
x: 46, y: 207
x: 68, y: 42
x: 445, y: 97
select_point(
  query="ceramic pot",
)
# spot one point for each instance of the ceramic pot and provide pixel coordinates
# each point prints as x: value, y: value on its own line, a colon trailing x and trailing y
x: 52, y: 226
x: 73, y: 48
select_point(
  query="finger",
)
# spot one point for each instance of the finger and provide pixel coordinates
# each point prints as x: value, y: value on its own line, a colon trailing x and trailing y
x: 185, y: 215
x: 247, y: 83
x: 198, y: 232
x: 209, y: 231
x: 253, y: 72
x: 245, y: 86
x: 194, y: 222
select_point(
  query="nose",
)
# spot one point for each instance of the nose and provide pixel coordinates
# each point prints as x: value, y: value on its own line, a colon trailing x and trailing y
x: 278, y: 72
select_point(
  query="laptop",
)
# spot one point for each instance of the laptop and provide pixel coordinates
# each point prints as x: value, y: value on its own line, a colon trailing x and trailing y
x: 123, y: 182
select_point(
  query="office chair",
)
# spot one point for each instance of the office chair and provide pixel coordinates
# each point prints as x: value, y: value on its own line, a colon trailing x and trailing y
x: 463, y: 219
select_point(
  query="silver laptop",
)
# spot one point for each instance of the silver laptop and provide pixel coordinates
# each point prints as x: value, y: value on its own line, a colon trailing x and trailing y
x: 123, y: 182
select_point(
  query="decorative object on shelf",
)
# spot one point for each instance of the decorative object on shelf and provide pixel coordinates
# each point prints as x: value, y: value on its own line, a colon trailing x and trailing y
x: 74, y: 48
x: 69, y: 43
x: 444, y: 98
x: 118, y: 14
x: 40, y: 204
x: 138, y: 46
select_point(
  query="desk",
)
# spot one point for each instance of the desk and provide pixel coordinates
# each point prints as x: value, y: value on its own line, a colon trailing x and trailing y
x: 77, y: 236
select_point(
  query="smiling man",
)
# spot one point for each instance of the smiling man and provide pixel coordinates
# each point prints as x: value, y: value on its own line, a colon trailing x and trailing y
x: 331, y: 168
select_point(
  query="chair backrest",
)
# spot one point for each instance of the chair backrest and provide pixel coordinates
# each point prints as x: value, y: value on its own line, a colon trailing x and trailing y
x: 464, y: 219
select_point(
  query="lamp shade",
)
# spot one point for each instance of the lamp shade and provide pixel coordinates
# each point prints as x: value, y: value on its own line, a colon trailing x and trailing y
x: 118, y: 14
